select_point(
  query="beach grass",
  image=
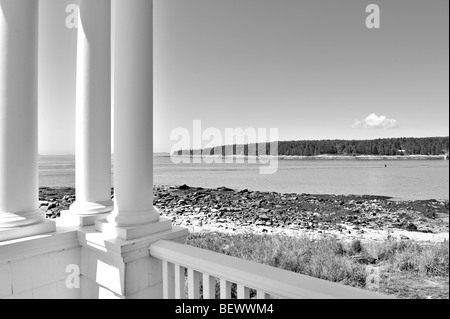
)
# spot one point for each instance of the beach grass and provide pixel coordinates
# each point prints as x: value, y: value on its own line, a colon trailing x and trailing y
x: 401, y: 264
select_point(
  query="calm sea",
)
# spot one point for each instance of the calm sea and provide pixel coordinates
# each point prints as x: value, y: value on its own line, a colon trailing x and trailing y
x: 404, y: 179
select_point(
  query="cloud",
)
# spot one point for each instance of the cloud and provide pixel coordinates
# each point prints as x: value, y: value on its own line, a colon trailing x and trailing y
x: 374, y: 121
x: 357, y: 124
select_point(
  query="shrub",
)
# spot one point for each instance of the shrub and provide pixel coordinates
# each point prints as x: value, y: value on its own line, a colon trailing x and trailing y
x: 434, y: 260
x: 324, y: 258
x: 328, y: 258
x: 355, y: 247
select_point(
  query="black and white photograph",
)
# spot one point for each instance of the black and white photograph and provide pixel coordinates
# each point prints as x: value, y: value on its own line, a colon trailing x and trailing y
x: 224, y: 154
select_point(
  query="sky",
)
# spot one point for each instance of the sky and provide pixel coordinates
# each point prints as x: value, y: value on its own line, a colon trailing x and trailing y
x: 311, y: 69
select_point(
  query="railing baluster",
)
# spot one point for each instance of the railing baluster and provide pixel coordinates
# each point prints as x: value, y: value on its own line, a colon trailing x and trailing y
x: 243, y: 292
x: 168, y: 280
x: 225, y: 289
x: 261, y: 294
x: 179, y: 282
x: 193, y: 284
x: 209, y: 287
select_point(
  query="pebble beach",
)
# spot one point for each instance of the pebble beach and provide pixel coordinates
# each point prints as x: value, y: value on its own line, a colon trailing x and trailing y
x: 226, y: 210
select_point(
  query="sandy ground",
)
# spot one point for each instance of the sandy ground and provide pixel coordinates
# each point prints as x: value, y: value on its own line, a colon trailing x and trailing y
x: 364, y: 234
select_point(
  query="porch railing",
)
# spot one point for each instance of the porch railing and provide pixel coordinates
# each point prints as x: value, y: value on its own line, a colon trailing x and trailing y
x: 190, y: 272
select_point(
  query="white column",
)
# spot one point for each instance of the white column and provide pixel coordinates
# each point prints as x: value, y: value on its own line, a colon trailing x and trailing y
x: 133, y: 122
x: 19, y: 192
x: 133, y: 114
x: 93, y: 111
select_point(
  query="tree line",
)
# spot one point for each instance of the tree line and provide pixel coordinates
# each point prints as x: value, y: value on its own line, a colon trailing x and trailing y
x: 389, y: 146
x: 386, y: 146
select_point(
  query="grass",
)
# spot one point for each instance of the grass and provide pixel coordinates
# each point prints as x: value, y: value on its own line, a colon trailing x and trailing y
x: 406, y: 269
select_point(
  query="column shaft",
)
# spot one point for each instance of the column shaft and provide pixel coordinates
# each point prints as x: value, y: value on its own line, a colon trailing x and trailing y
x: 93, y: 109
x: 133, y: 118
x: 19, y: 205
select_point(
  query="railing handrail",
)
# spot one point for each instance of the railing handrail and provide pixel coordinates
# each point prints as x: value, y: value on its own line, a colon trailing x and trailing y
x: 273, y: 280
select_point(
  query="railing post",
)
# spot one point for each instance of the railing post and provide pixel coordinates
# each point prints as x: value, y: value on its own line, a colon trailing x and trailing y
x: 260, y: 294
x: 193, y: 284
x: 168, y: 273
x: 225, y: 289
x: 243, y: 292
x: 209, y: 287
x: 179, y: 282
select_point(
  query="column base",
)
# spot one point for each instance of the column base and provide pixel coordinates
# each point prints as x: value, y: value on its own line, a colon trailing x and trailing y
x: 91, y: 208
x: 86, y: 213
x: 148, y: 216
x: 69, y: 217
x: 47, y: 226
x: 132, y: 232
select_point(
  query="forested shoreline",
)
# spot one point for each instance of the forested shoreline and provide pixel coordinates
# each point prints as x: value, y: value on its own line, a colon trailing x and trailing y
x: 377, y: 147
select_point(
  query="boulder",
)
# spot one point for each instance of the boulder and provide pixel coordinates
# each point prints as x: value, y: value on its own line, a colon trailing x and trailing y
x: 410, y: 227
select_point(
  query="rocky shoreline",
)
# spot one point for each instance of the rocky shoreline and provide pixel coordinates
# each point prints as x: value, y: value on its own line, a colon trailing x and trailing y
x: 227, y: 210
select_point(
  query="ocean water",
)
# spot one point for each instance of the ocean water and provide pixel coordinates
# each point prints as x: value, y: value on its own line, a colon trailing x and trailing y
x: 402, y: 179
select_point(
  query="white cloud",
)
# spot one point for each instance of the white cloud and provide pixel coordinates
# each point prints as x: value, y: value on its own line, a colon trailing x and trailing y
x: 374, y: 121
x: 357, y: 124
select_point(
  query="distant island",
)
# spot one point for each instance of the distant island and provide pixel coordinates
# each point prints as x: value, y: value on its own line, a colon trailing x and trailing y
x: 407, y: 147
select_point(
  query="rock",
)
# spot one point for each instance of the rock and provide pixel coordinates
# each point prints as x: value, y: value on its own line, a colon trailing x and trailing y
x: 178, y: 211
x: 403, y: 237
x: 274, y: 210
x: 366, y: 260
x: 198, y: 223
x: 410, y: 227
